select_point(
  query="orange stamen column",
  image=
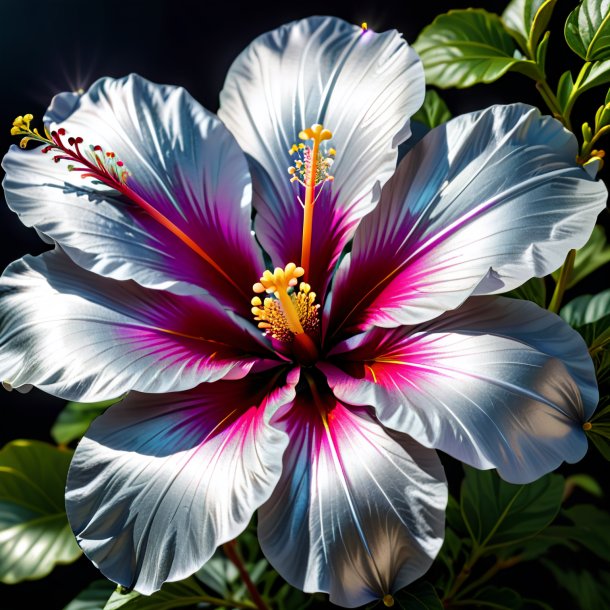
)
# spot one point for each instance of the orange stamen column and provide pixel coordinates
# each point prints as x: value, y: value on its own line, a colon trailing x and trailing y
x: 318, y: 134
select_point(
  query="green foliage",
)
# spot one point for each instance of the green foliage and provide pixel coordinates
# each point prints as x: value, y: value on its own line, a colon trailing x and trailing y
x: 418, y: 596
x: 587, y: 30
x: 173, y: 595
x: 526, y: 21
x: 588, y: 590
x: 593, y: 255
x: 94, y: 597
x: 434, y: 111
x: 533, y: 290
x: 462, y: 48
x: 34, y: 531
x: 497, y: 598
x: 498, y: 513
x: 586, y: 309
x: 76, y: 417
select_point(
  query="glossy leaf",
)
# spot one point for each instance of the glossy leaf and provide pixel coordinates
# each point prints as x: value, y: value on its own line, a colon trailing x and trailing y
x: 586, y: 309
x: 462, y: 48
x: 533, y: 290
x: 591, y: 529
x: 94, y: 597
x: 434, y: 111
x: 587, y: 29
x: 75, y: 418
x: 593, y: 255
x: 173, y: 595
x: 526, y: 20
x: 586, y: 483
x: 597, y: 74
x: 34, y: 531
x: 498, y: 513
x: 565, y: 87
x: 418, y: 596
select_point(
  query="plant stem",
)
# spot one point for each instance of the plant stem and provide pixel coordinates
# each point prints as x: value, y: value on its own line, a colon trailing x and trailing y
x: 562, y: 282
x: 501, y: 564
x: 551, y: 101
x: 231, y: 550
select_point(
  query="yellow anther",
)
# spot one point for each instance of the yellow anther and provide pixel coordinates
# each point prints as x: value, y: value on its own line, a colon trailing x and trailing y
x: 28, y: 118
x: 15, y: 131
x: 280, y: 280
x: 292, y: 170
x: 316, y: 132
x: 292, y: 312
x: 388, y: 600
x: 587, y: 426
x: 364, y: 25
x: 332, y: 152
x: 18, y: 121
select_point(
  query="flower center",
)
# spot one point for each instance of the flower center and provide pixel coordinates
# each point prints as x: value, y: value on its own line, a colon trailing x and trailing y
x: 288, y: 315
x: 311, y: 170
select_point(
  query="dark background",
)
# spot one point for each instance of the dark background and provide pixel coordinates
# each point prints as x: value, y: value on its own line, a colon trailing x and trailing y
x: 49, y: 46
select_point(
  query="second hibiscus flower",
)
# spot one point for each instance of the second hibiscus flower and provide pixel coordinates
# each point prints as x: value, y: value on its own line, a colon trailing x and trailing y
x: 371, y: 359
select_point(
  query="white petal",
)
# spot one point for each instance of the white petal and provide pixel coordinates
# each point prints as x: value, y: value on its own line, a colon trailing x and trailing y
x: 159, y: 482
x: 182, y: 161
x: 84, y: 337
x: 479, y: 206
x: 358, y: 512
x: 362, y: 86
x: 498, y: 383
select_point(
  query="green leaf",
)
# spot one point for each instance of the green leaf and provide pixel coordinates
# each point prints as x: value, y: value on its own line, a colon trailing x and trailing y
x: 418, y: 596
x: 601, y: 443
x: 597, y: 74
x: 587, y: 30
x: 586, y: 309
x: 74, y: 420
x: 589, y: 590
x: 173, y: 595
x: 564, y: 89
x: 219, y: 574
x: 499, y: 513
x: 533, y: 290
x: 462, y: 48
x: 496, y: 598
x: 526, y: 20
x: 586, y: 483
x: 593, y: 255
x: 34, y: 530
x: 591, y: 529
x: 434, y: 111
x: 94, y: 597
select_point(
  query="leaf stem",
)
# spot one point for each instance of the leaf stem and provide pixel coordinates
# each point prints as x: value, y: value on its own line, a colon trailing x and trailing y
x: 574, y: 94
x: 231, y: 550
x: 500, y: 564
x: 551, y: 101
x: 562, y: 282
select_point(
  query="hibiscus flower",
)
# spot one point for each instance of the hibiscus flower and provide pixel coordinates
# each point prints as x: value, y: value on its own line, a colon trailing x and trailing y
x: 382, y: 338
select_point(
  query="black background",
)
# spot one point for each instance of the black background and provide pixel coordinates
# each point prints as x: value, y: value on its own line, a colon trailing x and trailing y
x: 51, y: 46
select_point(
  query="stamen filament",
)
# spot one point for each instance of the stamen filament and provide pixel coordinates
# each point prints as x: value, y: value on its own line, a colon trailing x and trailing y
x: 317, y: 133
x: 112, y: 173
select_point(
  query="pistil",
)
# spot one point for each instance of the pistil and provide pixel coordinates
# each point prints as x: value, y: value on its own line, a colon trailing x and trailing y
x: 314, y: 171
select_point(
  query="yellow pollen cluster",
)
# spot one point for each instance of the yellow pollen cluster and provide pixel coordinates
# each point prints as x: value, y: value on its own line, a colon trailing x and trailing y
x: 90, y: 161
x: 289, y: 313
x: 21, y: 127
x: 312, y: 165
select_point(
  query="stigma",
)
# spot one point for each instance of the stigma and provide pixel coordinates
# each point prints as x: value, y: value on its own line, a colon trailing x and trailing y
x: 311, y: 165
x: 90, y: 161
x: 290, y: 311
